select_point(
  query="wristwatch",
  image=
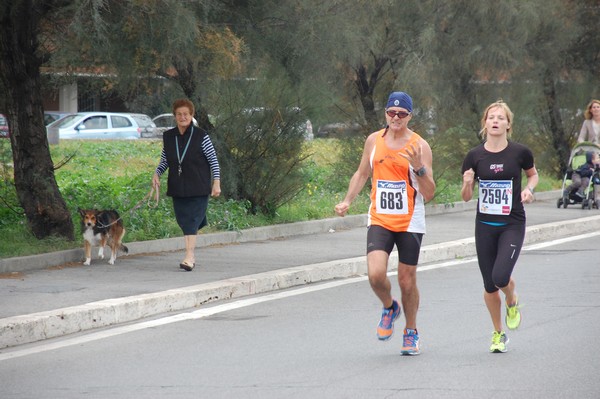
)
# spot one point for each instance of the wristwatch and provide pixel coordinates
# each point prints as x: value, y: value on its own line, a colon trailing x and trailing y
x: 421, y: 171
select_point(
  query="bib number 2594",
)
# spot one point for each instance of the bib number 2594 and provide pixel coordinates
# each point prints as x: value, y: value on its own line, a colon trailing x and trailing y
x: 495, y: 197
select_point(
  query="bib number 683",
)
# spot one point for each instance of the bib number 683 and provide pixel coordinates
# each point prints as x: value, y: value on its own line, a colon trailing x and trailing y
x: 391, y: 201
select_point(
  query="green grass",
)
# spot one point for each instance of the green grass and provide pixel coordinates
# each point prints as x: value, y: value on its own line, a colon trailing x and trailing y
x: 117, y: 174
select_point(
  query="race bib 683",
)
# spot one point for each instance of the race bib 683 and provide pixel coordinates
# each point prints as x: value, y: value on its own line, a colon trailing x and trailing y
x: 391, y: 197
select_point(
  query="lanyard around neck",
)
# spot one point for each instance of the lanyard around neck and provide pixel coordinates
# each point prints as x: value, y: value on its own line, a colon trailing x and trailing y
x: 180, y: 158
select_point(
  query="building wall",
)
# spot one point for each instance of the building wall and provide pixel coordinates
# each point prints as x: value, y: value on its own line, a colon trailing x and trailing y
x: 63, y: 99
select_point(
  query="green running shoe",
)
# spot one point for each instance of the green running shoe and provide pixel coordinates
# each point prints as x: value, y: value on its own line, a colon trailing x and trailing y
x: 513, y: 316
x: 499, y: 342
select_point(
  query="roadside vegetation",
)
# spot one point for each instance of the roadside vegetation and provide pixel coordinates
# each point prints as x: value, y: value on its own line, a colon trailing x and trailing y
x: 116, y: 175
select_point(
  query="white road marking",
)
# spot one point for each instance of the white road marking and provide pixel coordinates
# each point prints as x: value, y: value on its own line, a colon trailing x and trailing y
x: 209, y: 311
x: 560, y: 241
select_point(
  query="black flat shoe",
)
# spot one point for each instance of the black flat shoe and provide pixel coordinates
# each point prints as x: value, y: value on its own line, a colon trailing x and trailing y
x: 186, y: 266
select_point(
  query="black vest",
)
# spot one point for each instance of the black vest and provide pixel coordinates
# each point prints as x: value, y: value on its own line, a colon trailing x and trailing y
x: 195, y: 179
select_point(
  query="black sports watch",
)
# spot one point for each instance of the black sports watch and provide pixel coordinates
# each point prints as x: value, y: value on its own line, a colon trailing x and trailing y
x: 421, y: 171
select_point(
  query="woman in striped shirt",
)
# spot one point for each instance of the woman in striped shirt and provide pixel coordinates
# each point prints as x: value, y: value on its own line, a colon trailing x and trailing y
x: 193, y: 174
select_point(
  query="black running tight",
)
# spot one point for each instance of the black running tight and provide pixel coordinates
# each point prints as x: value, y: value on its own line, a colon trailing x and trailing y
x: 498, y: 248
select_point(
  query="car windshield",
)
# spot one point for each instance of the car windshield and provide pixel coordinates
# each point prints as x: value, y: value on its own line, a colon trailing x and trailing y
x: 50, y: 117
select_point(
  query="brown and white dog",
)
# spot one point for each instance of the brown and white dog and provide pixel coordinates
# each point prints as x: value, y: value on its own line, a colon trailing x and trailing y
x: 99, y: 228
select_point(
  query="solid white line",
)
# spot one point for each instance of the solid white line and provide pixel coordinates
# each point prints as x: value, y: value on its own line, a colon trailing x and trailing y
x: 209, y: 311
x: 560, y: 241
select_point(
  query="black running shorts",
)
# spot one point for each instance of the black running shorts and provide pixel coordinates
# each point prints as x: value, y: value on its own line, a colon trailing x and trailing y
x: 408, y: 244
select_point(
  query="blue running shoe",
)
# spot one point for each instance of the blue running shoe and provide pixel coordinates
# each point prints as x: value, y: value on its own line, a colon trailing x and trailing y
x: 410, y: 345
x: 385, y: 329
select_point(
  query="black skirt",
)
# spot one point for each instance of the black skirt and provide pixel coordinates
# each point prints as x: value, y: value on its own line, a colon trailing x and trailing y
x: 190, y: 213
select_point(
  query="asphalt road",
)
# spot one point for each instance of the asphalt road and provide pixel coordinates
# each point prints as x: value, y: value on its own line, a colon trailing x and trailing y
x: 319, y: 341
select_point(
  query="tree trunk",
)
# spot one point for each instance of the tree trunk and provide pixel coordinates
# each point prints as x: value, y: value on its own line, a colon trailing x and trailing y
x: 36, y: 186
x: 365, y: 86
x: 555, y: 125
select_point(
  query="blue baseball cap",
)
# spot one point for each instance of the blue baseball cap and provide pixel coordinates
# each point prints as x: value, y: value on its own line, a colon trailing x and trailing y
x: 400, y: 99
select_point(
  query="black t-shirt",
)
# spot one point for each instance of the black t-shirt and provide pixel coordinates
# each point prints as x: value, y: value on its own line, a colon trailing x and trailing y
x: 498, y: 175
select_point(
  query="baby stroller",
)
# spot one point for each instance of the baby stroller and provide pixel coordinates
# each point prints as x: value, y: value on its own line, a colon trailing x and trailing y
x: 576, y: 160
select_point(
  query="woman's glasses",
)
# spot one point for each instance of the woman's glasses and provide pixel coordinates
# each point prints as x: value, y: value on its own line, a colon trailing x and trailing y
x: 399, y: 114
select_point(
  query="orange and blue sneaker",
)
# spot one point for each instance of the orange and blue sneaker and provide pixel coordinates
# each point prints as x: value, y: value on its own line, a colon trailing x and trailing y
x: 410, y: 345
x: 385, y: 329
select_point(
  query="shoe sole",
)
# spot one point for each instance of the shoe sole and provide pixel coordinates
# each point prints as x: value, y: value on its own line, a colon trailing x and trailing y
x: 410, y: 353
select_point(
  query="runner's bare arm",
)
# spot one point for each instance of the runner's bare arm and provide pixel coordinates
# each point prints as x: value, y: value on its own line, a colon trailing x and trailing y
x: 359, y: 179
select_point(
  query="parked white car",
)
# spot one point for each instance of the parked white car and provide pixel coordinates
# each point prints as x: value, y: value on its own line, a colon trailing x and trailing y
x: 95, y: 125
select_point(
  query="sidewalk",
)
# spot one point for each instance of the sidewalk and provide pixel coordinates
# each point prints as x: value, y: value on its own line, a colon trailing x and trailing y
x: 53, y: 295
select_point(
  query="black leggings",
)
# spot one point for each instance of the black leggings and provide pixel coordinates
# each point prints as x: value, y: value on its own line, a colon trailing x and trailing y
x: 498, y: 248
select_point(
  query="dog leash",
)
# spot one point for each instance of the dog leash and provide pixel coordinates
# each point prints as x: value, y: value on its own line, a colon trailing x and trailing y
x: 153, y: 194
x: 148, y: 198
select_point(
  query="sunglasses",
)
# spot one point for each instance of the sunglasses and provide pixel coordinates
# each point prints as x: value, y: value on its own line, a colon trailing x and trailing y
x: 399, y: 114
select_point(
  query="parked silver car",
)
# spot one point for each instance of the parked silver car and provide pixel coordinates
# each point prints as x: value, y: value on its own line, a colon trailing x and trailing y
x: 95, y: 125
